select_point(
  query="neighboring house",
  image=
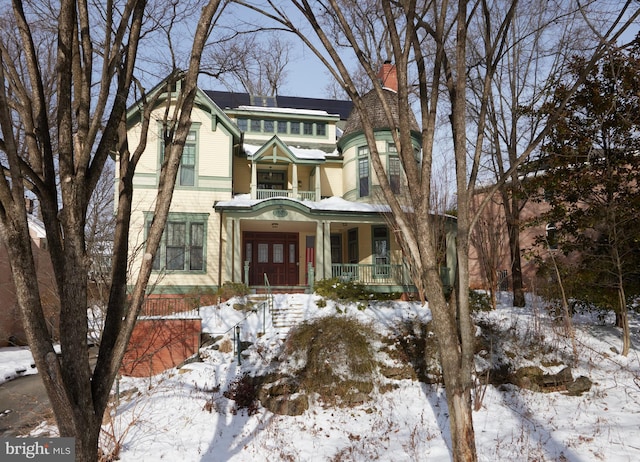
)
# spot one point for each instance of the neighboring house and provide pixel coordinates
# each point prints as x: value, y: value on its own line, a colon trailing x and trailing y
x: 278, y: 189
x: 11, y: 329
x: 489, y: 250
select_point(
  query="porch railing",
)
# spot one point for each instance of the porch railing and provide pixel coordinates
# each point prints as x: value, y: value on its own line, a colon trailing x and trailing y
x: 271, y: 193
x: 371, y: 274
x: 380, y: 274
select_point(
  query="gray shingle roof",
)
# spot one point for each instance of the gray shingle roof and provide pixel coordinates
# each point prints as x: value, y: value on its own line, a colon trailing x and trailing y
x: 374, y: 107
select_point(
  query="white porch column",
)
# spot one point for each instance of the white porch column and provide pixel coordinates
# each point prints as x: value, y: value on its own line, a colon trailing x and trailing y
x: 323, y: 250
x: 327, y: 250
x: 318, y: 197
x: 294, y: 181
x: 254, y: 180
x: 228, y: 255
x: 237, y: 252
x: 319, y: 253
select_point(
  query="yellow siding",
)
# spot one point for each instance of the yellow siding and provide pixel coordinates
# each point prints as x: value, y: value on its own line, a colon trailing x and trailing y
x: 331, y: 179
x: 213, y: 168
x: 241, y: 175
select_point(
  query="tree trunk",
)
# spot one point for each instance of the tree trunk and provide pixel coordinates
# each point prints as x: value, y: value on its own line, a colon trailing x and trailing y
x: 624, y: 317
x: 63, y: 175
x: 454, y: 372
x: 68, y: 387
x: 513, y: 229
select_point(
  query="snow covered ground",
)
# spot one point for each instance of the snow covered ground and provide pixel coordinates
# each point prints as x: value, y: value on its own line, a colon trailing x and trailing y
x: 16, y: 362
x: 182, y: 415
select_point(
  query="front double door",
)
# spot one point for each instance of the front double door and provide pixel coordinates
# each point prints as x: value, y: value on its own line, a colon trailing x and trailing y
x: 273, y: 254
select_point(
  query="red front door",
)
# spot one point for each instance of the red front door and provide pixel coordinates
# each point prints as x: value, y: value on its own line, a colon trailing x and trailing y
x: 273, y: 254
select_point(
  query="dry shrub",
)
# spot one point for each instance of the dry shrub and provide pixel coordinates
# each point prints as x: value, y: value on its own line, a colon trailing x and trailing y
x: 334, y: 358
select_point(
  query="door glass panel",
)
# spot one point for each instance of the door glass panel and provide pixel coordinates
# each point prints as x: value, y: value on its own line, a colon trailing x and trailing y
x: 263, y: 253
x: 292, y: 253
x: 278, y: 253
x: 381, y: 251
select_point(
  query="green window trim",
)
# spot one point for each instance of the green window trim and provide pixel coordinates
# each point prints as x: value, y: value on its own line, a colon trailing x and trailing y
x: 283, y: 127
x: 380, y: 251
x: 188, y: 170
x: 394, y: 170
x: 183, y: 247
x: 364, y: 174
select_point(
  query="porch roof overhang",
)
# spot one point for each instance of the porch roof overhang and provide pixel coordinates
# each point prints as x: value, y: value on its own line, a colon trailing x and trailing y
x: 333, y: 207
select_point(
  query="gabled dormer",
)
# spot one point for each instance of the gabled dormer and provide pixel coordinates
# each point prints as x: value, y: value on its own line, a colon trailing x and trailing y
x: 207, y: 159
x: 279, y: 170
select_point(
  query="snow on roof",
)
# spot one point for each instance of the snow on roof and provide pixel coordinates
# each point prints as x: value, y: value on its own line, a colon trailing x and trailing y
x: 300, y: 153
x: 286, y: 110
x: 331, y: 204
x: 304, y: 153
x: 250, y: 149
x: 336, y: 203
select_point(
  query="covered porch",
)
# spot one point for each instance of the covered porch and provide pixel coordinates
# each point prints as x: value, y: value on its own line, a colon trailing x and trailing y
x: 292, y: 244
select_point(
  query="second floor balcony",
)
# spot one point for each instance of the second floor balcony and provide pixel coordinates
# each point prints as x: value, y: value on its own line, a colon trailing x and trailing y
x: 290, y: 193
x: 268, y: 182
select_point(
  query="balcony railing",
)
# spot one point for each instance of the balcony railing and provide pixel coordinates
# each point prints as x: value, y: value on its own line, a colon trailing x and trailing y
x: 271, y: 193
x: 307, y: 195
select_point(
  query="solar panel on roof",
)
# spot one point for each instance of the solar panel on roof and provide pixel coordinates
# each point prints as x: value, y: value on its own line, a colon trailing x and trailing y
x: 264, y: 101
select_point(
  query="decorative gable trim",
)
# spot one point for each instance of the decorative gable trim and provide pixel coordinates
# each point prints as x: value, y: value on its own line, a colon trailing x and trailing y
x: 275, y: 150
x: 159, y: 96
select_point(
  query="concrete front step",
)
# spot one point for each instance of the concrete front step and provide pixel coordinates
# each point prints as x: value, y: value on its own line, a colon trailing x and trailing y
x: 284, y: 319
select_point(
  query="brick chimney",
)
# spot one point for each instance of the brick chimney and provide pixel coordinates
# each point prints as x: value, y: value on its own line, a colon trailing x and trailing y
x: 388, y: 76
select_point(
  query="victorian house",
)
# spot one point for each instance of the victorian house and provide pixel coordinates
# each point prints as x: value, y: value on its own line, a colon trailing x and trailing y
x: 276, y: 190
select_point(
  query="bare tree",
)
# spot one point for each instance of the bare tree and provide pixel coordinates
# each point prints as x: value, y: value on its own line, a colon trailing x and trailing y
x: 57, y: 131
x: 487, y: 239
x: 430, y: 41
x: 533, y: 57
x: 253, y: 62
